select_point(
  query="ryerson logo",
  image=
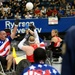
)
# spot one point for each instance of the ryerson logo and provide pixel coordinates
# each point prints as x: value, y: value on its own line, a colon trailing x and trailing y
x: 21, y: 26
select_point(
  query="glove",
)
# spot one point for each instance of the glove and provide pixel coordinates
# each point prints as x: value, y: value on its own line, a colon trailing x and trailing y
x: 16, y: 22
x: 26, y: 26
x: 32, y: 27
x: 26, y: 36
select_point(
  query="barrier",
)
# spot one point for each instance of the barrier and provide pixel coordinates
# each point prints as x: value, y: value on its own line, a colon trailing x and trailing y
x: 42, y: 25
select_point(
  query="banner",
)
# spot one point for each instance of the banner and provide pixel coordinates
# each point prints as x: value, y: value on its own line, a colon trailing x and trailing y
x: 53, y: 20
x: 42, y: 25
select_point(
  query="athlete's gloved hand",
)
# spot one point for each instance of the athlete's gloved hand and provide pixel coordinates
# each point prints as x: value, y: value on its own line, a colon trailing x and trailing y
x: 26, y: 36
x: 16, y: 22
x: 31, y: 26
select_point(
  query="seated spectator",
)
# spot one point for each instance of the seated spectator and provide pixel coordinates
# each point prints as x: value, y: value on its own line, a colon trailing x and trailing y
x: 61, y: 11
x: 43, y: 10
x: 39, y: 67
x: 37, y: 11
x: 28, y: 15
x: 17, y: 15
x: 49, y: 11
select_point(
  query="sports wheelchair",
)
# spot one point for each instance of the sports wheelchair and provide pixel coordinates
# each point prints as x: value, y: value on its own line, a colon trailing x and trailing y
x: 53, y: 52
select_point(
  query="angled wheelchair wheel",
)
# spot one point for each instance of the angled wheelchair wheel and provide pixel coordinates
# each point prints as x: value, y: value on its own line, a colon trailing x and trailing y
x: 21, y: 66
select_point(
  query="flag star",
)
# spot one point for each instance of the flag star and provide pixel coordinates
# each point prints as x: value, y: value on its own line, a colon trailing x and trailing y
x: 54, y: 71
x: 45, y: 65
x: 40, y: 66
x: 32, y: 67
x: 43, y: 72
x: 50, y: 71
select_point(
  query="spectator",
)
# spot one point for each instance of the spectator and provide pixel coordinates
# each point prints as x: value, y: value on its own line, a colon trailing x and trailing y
x: 39, y: 67
x: 68, y: 62
x: 43, y: 10
x: 61, y: 11
x: 36, y: 3
x: 28, y: 15
x: 5, y: 57
x: 17, y: 16
x: 37, y: 11
x: 49, y: 11
x: 10, y: 14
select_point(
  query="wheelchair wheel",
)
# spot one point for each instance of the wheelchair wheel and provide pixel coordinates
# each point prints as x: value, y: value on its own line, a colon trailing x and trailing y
x: 21, y: 66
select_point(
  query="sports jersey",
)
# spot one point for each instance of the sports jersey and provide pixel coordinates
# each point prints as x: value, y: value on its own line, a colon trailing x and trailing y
x: 30, y: 58
x: 5, y: 46
x: 57, y: 44
x: 40, y: 69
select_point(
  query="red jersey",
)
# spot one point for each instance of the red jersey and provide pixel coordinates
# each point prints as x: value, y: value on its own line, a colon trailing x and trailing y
x: 57, y: 44
x: 30, y: 58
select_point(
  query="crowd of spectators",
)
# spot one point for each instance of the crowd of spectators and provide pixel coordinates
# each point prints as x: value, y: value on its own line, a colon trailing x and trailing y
x: 12, y: 9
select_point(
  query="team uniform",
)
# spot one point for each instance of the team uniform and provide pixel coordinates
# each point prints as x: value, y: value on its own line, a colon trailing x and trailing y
x: 4, y: 49
x: 30, y: 58
x: 55, y: 47
x: 57, y: 44
x: 40, y: 69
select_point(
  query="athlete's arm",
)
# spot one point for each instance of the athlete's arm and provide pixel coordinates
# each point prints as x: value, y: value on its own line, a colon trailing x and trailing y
x: 15, y: 29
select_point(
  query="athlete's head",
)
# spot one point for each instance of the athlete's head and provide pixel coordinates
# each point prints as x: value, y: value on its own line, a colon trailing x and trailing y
x: 3, y: 35
x: 54, y: 32
x: 39, y: 55
x: 31, y: 40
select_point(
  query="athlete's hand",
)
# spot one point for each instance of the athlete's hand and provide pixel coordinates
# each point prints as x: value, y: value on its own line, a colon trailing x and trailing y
x: 16, y: 22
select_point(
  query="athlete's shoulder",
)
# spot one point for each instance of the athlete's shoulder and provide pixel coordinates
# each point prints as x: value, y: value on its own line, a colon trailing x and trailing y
x: 40, y: 69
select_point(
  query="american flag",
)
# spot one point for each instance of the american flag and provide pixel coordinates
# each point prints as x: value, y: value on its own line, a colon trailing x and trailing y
x: 40, y: 69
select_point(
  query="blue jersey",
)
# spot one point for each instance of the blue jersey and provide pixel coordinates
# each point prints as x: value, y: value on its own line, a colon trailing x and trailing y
x: 40, y: 69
